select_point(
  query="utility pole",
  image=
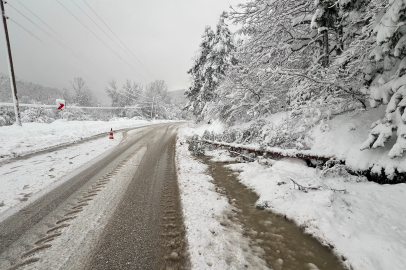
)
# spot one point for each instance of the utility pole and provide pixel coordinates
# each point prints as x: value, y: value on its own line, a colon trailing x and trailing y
x: 10, y: 66
x: 156, y: 105
x: 152, y: 106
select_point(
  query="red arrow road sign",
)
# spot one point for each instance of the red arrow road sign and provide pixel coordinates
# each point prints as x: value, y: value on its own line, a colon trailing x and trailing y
x: 60, y: 103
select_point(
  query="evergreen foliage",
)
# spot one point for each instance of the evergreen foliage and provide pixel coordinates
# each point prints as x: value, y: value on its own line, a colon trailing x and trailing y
x: 210, y: 66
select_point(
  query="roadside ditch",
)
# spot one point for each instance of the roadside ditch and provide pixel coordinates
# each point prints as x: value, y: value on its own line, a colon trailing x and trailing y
x: 277, y: 240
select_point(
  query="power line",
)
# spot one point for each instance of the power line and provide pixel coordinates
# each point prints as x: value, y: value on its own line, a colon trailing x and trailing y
x: 60, y: 43
x: 75, y: 54
x: 47, y: 26
x: 140, y: 102
x: 25, y: 29
x: 99, y: 38
x: 119, y: 39
x: 101, y: 28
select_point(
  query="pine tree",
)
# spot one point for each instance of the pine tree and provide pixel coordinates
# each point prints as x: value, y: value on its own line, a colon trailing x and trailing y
x: 213, y: 60
x: 220, y: 57
x: 325, y: 19
x: 390, y: 87
x: 194, y: 94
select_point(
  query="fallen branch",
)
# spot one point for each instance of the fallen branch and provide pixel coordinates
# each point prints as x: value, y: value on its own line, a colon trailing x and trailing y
x: 306, y: 189
x: 244, y: 156
x: 303, y: 188
x: 274, y: 152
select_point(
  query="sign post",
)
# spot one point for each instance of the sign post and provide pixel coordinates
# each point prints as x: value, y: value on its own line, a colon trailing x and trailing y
x: 10, y: 66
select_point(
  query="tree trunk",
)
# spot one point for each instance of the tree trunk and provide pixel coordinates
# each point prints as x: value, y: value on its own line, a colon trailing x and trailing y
x: 340, y: 43
x: 326, y: 49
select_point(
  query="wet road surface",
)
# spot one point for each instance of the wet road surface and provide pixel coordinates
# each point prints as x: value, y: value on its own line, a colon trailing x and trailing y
x: 144, y: 228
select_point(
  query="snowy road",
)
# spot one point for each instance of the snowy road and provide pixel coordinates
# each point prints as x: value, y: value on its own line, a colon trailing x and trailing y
x: 121, y: 211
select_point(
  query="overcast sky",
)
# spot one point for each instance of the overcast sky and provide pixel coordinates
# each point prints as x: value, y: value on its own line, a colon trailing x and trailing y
x: 162, y: 34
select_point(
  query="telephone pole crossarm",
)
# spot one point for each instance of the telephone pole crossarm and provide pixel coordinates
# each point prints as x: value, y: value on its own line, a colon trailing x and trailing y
x: 10, y: 65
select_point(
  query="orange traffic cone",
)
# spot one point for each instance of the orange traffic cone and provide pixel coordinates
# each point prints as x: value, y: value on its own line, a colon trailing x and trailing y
x: 111, y: 134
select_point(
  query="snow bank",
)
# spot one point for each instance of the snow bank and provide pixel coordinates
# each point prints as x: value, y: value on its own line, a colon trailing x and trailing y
x: 342, y: 137
x: 34, y: 137
x: 211, y: 245
x: 344, y: 140
x: 23, y: 179
x: 366, y: 226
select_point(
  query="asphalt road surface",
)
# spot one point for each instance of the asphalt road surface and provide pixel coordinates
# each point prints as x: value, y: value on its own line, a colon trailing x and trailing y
x: 121, y: 211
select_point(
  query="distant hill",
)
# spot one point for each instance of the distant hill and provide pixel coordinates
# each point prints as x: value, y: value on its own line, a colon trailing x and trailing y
x: 177, y: 94
x: 178, y: 97
x: 28, y: 92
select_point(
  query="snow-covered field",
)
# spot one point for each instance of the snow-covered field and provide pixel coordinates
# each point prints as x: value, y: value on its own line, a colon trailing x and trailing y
x: 34, y: 137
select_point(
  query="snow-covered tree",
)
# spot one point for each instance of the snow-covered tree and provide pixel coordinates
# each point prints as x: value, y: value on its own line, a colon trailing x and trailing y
x: 200, y: 92
x: 158, y: 99
x: 211, y: 64
x: 220, y: 57
x: 83, y: 95
x: 389, y: 86
x: 283, y: 60
x: 112, y: 92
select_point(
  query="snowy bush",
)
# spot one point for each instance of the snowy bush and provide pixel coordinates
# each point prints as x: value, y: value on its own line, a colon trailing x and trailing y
x: 72, y: 112
x: 195, y: 147
x: 333, y: 168
x: 264, y: 134
x: 2, y: 121
x: 38, y: 115
x: 6, y: 117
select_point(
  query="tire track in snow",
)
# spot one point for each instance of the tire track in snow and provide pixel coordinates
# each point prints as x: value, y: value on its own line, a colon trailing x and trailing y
x: 38, y: 255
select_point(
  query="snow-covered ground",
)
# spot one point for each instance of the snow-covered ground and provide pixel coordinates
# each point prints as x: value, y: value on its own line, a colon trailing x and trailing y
x: 23, y: 178
x: 34, y: 137
x: 340, y: 137
x: 344, y: 137
x: 366, y: 225
x: 211, y: 245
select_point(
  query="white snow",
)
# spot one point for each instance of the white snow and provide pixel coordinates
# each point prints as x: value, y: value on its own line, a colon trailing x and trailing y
x: 73, y: 247
x: 24, y: 178
x: 211, y: 245
x: 367, y: 225
x: 34, y: 137
x: 32, y: 175
x: 346, y: 144
x: 27, y: 177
